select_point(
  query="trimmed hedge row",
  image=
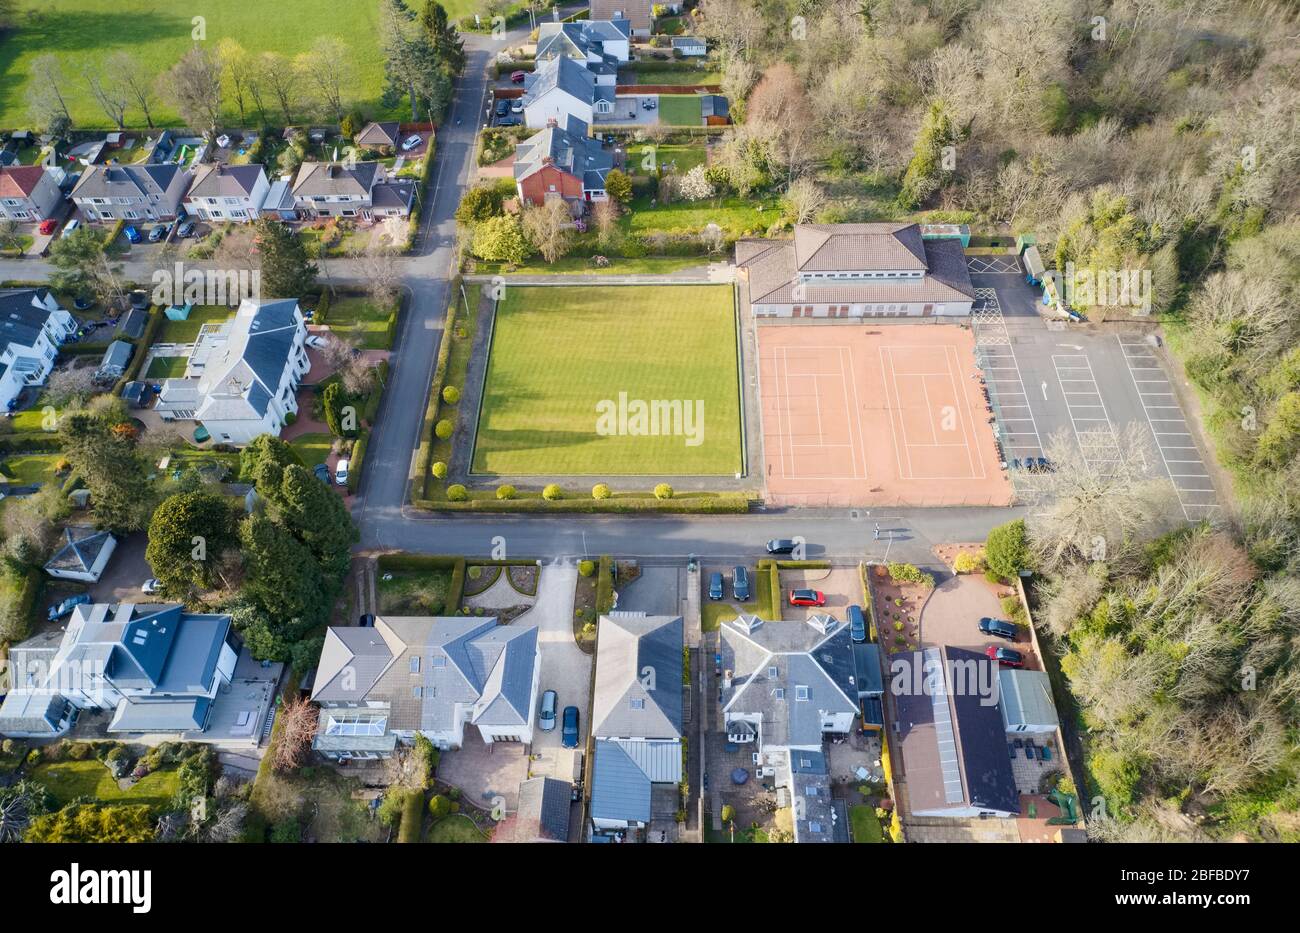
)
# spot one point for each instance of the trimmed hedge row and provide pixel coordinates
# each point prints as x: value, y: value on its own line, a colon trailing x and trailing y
x: 132, y: 372
x: 421, y: 188
x: 423, y: 457
x: 357, y: 462
x: 322, y: 312
x: 32, y: 442
x: 605, y: 585
x: 412, y: 817
x: 371, y: 408
x: 770, y: 578
x: 722, y: 504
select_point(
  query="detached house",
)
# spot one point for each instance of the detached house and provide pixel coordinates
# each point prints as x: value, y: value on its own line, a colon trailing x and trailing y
x: 562, y: 89
x: 32, y: 328
x: 359, y: 190
x: 855, y: 270
x: 786, y: 688
x: 385, y: 137
x: 602, y: 43
x: 561, y: 163
x: 638, y: 13
x: 157, y: 668
x: 28, y: 193
x: 636, y: 720
x: 130, y: 192
x: 227, y: 192
x: 379, y: 685
x: 243, y: 374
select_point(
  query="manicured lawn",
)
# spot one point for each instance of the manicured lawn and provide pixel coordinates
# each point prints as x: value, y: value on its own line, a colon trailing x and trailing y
x: 685, y: 76
x: 83, y: 32
x: 187, y: 331
x: 678, y: 158
x: 33, y: 468
x: 865, y: 823
x: 30, y: 419
x: 454, y: 828
x: 561, y: 356
x: 679, y: 109
x: 363, y: 319
x: 569, y: 265
x: 67, y: 780
x: 416, y: 593
x: 734, y: 215
x: 167, y: 367
x: 312, y: 448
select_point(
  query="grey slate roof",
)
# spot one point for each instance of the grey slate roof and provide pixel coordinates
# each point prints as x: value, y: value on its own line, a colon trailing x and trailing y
x: 217, y: 180
x: 319, y: 179
x: 543, y: 814
x: 133, y: 323
x: 21, y: 321
x: 564, y: 73
x: 619, y: 789
x: 33, y: 711
x: 125, y: 181
x: 187, y: 715
x: 116, y: 357
x: 1025, y: 698
x: 569, y: 149
x: 80, y: 550
x: 380, y: 134
x: 623, y: 704
x: 585, y: 37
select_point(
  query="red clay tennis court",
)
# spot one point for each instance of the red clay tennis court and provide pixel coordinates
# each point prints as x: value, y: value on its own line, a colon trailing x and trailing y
x: 883, y: 415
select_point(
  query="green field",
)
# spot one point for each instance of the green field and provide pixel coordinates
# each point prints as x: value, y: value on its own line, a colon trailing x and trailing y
x: 187, y: 331
x: 363, y: 319
x: 679, y: 109
x: 85, y: 32
x: 68, y: 780
x: 561, y: 357
x: 669, y: 157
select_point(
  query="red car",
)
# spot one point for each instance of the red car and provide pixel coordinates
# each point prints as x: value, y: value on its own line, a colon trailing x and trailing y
x: 517, y: 76
x: 807, y: 598
x: 1004, y: 656
x: 48, y: 226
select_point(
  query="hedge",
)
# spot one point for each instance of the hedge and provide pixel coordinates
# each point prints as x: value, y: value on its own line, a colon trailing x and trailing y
x: 322, y: 312
x: 422, y: 186
x: 425, y: 453
x: 371, y: 409
x: 722, y: 504
x: 357, y: 462
x: 424, y: 562
x: 132, y: 372
x: 33, y: 442
x: 412, y: 817
x: 768, y: 569
x: 605, y: 585
x: 28, y: 587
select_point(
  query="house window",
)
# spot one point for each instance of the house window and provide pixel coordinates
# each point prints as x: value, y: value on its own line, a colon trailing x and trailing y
x: 415, y: 664
x: 636, y: 703
x: 801, y: 693
x: 779, y: 693
x: 772, y: 673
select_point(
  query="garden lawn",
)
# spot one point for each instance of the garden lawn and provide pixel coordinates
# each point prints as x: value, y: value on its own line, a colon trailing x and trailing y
x: 416, y: 593
x: 363, y: 319
x: 187, y: 331
x: 736, y: 216
x: 454, y: 828
x: 558, y: 352
x: 865, y: 823
x: 681, y: 158
x: 84, y: 32
x: 678, y: 109
x: 312, y: 448
x: 67, y: 780
x: 167, y: 367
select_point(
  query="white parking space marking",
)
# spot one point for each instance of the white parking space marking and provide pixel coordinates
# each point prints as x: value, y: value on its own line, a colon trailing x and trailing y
x: 1182, y: 459
x: 983, y: 265
x: 1088, y: 416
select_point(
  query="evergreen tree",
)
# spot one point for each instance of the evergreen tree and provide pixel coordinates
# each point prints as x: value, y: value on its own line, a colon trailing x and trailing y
x: 446, y: 40
x: 286, y: 271
x: 187, y: 536
x: 112, y: 469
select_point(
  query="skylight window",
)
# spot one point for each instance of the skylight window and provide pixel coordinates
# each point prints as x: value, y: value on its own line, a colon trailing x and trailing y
x: 801, y: 693
x: 637, y: 703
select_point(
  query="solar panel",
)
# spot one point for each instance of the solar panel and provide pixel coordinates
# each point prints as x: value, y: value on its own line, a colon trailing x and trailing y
x: 938, y: 690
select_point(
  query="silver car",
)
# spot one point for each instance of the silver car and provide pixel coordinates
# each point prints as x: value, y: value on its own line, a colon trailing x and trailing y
x: 546, y: 718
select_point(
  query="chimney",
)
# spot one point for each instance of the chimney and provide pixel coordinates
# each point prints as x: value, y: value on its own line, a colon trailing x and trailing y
x: 552, y: 122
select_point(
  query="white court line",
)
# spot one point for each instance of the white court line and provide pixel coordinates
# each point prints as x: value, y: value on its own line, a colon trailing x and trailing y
x: 893, y: 433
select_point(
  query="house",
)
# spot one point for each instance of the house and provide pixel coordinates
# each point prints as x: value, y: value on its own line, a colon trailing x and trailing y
x: 636, y: 720
x: 360, y: 189
x: 564, y: 163
x: 950, y: 734
x: 130, y: 192
x: 787, y: 687
x: 385, y: 137
x: 690, y: 46
x: 1025, y: 700
x: 379, y: 685
x: 855, y: 270
x: 32, y: 328
x: 83, y: 556
x: 279, y: 203
x: 597, y: 42
x: 561, y: 89
x: 714, y: 110
x: 156, y: 668
x: 636, y: 12
x: 543, y: 813
x: 227, y: 192
x: 116, y: 358
x: 28, y: 193
x: 243, y: 374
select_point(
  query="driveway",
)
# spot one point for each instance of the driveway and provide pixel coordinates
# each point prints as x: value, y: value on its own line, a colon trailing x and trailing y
x: 656, y: 592
x: 126, y: 572
x: 842, y: 587
x: 951, y: 617
x: 485, y: 772
x: 565, y: 669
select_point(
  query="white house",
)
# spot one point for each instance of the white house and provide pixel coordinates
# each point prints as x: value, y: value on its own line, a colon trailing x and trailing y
x: 32, y: 328
x: 108, y: 193
x: 359, y: 190
x: 378, y: 685
x: 227, y: 192
x: 83, y: 556
x: 855, y: 270
x: 242, y: 376
x: 28, y: 193
x: 562, y: 88
x: 606, y: 42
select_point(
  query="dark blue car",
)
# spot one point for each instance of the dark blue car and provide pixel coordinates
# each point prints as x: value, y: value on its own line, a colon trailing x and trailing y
x: 999, y: 627
x: 65, y: 608
x: 715, y: 586
x: 133, y: 234
x: 857, y: 624
x: 569, y: 728
x: 740, y: 584
x: 322, y: 473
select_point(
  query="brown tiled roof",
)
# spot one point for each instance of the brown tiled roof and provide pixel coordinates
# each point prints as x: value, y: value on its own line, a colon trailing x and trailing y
x: 859, y: 247
x: 19, y: 181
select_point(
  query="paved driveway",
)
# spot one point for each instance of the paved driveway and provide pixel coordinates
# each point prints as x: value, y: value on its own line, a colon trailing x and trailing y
x: 656, y: 592
x: 951, y: 617
x: 565, y: 669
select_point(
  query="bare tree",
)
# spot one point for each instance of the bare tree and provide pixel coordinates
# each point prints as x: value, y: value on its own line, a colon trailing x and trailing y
x: 126, y: 71
x: 298, y: 719
x: 780, y: 104
x: 604, y: 215
x: 46, y: 105
x: 228, y: 824
x: 327, y: 68
x: 278, y: 75
x: 112, y: 97
x: 237, y: 71
x: 378, y: 264
x: 549, y: 227
x: 194, y: 85
x: 70, y: 386
x: 804, y: 199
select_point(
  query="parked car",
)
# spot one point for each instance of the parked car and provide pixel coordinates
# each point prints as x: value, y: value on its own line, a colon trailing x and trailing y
x: 518, y: 76
x: 740, y: 584
x: 510, y: 120
x: 317, y: 341
x: 715, y: 586
x: 341, y: 473
x: 65, y: 608
x: 151, y: 586
x: 48, y: 226
x: 366, y: 621
x: 157, y: 233
x: 132, y: 234
x: 569, y: 730
x: 781, y: 546
x: 186, y: 230
x: 807, y: 598
x: 411, y: 142
x: 999, y: 627
x: 1043, y: 465
x: 1005, y: 656
x: 503, y: 107
x: 69, y: 229
x: 517, y: 106
x: 857, y: 624
x: 546, y: 716
x: 322, y: 473
x: 139, y: 300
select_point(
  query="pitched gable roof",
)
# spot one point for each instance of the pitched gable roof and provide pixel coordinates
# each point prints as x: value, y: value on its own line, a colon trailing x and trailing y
x: 379, y: 134
x: 19, y: 181
x: 562, y: 73
x: 638, y: 676
x: 218, y: 180
x: 570, y: 150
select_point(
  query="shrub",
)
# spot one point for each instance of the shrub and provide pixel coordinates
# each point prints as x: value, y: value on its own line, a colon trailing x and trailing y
x: 444, y: 428
x: 457, y: 493
x: 286, y: 831
x: 79, y: 751
x: 439, y: 806
x: 910, y: 573
x: 1007, y: 549
x: 992, y: 576
x: 969, y: 562
x: 663, y: 491
x: 600, y: 491
x: 440, y: 470
x: 552, y: 492
x: 586, y: 567
x: 450, y: 395
x: 505, y: 491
